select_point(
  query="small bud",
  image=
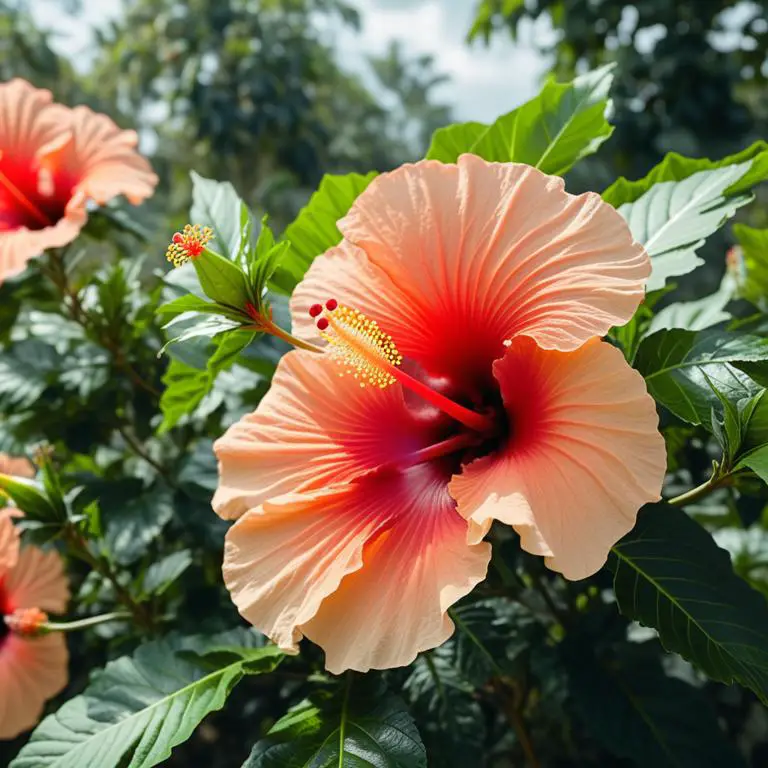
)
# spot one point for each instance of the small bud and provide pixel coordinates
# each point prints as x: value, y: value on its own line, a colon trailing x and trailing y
x: 27, y: 622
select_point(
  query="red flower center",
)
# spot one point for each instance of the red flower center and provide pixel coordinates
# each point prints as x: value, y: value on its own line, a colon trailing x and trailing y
x: 31, y: 196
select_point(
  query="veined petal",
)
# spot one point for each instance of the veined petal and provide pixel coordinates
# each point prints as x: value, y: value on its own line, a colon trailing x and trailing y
x: 102, y: 159
x: 313, y: 428
x: 18, y: 246
x: 466, y: 256
x: 584, y: 455
x: 28, y: 120
x: 366, y: 570
x: 32, y: 670
x: 38, y: 581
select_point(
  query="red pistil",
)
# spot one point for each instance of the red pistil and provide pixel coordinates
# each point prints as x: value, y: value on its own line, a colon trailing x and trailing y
x: 24, y: 201
x: 188, y: 244
x: 372, y: 357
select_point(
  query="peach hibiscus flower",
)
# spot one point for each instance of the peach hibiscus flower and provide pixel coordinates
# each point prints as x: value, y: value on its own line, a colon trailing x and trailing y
x: 465, y: 305
x: 32, y: 668
x: 53, y: 160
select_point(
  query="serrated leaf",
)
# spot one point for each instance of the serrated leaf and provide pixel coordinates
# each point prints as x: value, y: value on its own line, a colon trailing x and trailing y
x: 675, y: 167
x: 680, y: 367
x: 673, y: 218
x: 635, y: 711
x: 362, y: 726
x: 552, y: 131
x: 669, y: 574
x: 314, y: 230
x: 137, y: 710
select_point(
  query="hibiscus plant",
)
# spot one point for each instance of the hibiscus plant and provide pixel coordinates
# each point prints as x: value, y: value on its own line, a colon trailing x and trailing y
x: 451, y: 472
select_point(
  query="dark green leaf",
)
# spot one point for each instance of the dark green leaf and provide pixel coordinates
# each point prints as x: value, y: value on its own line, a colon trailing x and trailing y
x: 30, y: 498
x: 362, y: 726
x: 133, y: 517
x: 680, y: 368
x: 751, y: 267
x: 222, y: 280
x: 552, y: 131
x: 163, y: 573
x: 669, y: 574
x: 314, y: 230
x: 634, y: 710
x: 673, y: 219
x: 137, y: 710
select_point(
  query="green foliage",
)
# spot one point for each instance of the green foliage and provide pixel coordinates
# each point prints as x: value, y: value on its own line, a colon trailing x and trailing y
x: 314, y: 230
x: 361, y: 725
x: 680, y: 368
x: 672, y: 219
x: 140, y: 707
x: 751, y: 264
x: 669, y: 574
x: 552, y: 131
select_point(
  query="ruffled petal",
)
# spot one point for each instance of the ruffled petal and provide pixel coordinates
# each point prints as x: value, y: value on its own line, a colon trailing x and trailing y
x: 16, y: 466
x: 28, y: 120
x: 38, y: 581
x: 32, y: 670
x: 366, y: 570
x: 103, y: 160
x: 18, y: 246
x: 465, y: 256
x: 314, y: 427
x: 584, y: 455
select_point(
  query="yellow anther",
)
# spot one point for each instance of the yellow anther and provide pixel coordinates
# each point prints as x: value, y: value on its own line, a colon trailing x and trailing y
x: 360, y: 346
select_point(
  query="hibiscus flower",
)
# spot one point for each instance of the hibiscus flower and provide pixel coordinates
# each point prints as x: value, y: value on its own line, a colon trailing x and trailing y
x: 463, y: 309
x: 33, y: 668
x: 53, y: 160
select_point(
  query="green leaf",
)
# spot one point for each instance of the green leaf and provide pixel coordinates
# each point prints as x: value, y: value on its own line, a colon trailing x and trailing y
x: 757, y: 461
x: 209, y: 328
x: 186, y: 386
x: 133, y: 517
x: 163, y: 573
x: 551, y: 132
x: 675, y: 167
x: 222, y: 280
x: 138, y: 709
x: 216, y: 204
x: 751, y: 267
x: 24, y: 372
x: 314, y: 230
x: 696, y: 315
x: 673, y: 219
x: 635, y: 711
x: 669, y: 574
x: 188, y: 303
x: 29, y: 497
x: 680, y: 368
x: 360, y: 727
x: 450, y: 142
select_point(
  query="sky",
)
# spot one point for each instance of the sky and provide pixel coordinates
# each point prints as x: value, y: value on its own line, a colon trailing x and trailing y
x: 485, y: 82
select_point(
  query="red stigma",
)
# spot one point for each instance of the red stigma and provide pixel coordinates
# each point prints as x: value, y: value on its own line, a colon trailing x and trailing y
x: 315, y: 310
x: 178, y: 238
x: 322, y: 324
x: 331, y: 304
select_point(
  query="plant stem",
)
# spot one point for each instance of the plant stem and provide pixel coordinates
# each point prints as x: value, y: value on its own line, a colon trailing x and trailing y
x: 140, y: 451
x: 512, y: 706
x: 137, y: 611
x: 558, y: 614
x: 91, y: 621
x: 57, y: 274
x: 699, y: 492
